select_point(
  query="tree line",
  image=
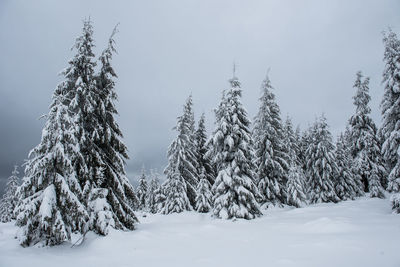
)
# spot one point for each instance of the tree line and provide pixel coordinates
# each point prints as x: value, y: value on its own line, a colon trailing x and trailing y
x: 75, y: 180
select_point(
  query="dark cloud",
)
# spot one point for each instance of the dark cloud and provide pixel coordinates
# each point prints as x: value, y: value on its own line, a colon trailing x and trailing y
x: 169, y: 49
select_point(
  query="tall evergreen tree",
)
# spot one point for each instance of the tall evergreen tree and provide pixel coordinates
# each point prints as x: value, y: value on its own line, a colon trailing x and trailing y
x: 182, y: 153
x: 75, y: 181
x: 176, y: 194
x: 234, y: 189
x: 142, y: 190
x: 346, y: 184
x: 295, y: 185
x: 271, y: 157
x: 151, y: 192
x: 365, y: 146
x: 204, y: 195
x: 58, y: 167
x: 204, y: 163
x: 321, y: 165
x: 211, y: 152
x: 10, y: 197
x: 390, y: 130
x: 159, y: 197
x: 291, y: 140
x: 106, y: 153
x: 51, y: 206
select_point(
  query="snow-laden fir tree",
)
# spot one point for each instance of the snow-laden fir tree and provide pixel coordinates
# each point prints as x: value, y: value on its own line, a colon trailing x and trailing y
x: 204, y: 196
x: 347, y: 144
x: 211, y: 152
x: 53, y: 203
x: 390, y: 129
x: 346, y: 184
x: 74, y: 178
x: 291, y: 139
x: 51, y: 206
x: 305, y: 141
x: 271, y: 158
x: 182, y: 154
x: 364, y: 144
x: 10, y: 197
x: 176, y: 194
x: 321, y: 165
x: 108, y: 153
x: 201, y: 147
x: 154, y: 185
x: 159, y: 197
x: 234, y: 188
x: 295, y: 185
x: 142, y: 191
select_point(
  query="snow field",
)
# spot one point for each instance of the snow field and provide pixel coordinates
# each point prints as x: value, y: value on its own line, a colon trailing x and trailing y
x: 352, y: 233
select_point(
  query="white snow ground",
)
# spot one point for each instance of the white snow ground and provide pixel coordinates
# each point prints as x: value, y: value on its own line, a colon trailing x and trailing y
x: 352, y: 233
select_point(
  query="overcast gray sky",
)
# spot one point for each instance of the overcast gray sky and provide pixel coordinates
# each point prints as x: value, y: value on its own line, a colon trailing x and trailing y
x: 169, y: 49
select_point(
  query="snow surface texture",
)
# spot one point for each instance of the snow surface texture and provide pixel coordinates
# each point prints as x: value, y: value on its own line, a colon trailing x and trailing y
x: 352, y: 233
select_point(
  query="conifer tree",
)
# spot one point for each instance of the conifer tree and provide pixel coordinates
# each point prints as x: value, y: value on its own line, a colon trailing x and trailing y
x: 159, y: 197
x: 211, y: 152
x: 75, y: 179
x: 234, y: 189
x: 355, y: 172
x: 110, y: 154
x: 176, y: 194
x: 10, y: 197
x: 151, y: 192
x: 51, y: 206
x: 365, y: 146
x: 142, y: 191
x: 346, y: 185
x: 53, y: 203
x: 204, y: 195
x: 271, y: 156
x: 321, y: 165
x: 295, y: 184
x: 182, y: 153
x: 390, y: 129
x: 201, y: 147
x: 291, y: 142
x: 304, y: 143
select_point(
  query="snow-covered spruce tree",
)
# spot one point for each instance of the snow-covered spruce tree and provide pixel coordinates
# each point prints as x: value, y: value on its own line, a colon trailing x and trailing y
x: 271, y: 157
x: 106, y: 154
x: 295, y: 184
x: 390, y: 129
x: 51, y: 206
x: 211, y: 152
x: 364, y: 144
x: 204, y: 195
x: 159, y: 197
x: 291, y: 139
x: 346, y: 185
x: 176, y: 194
x: 353, y: 165
x: 234, y: 188
x: 142, y: 191
x: 10, y: 197
x: 304, y: 142
x: 321, y: 165
x: 151, y: 192
x: 182, y: 153
x: 67, y: 178
x: 201, y: 147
